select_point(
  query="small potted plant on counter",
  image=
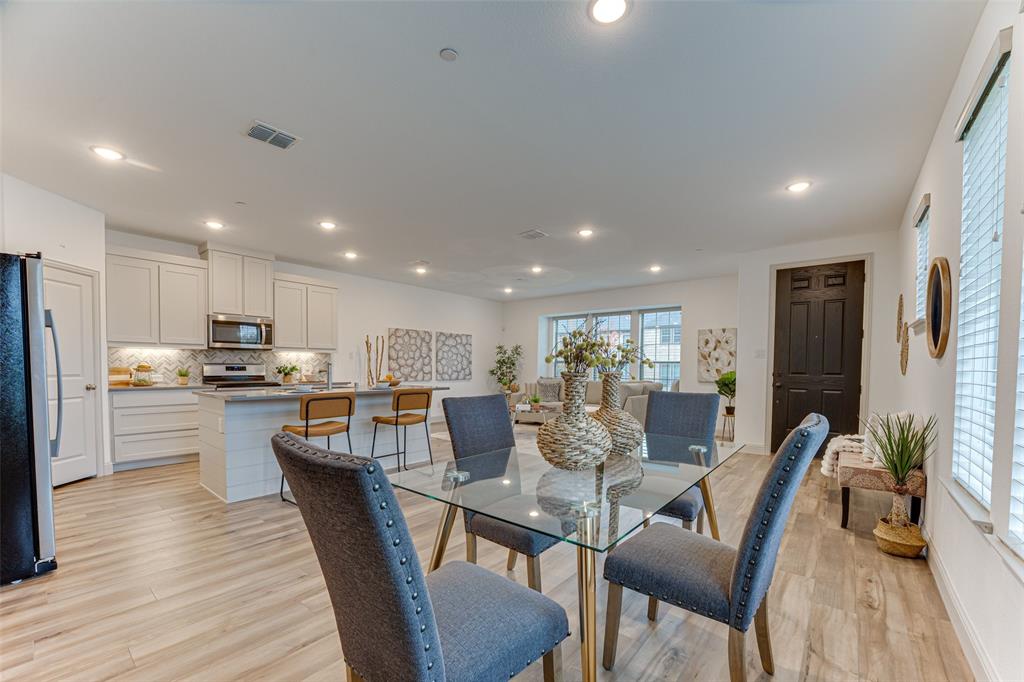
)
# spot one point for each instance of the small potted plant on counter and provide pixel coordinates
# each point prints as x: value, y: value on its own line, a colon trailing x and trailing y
x: 287, y: 373
x: 727, y: 389
x: 183, y: 374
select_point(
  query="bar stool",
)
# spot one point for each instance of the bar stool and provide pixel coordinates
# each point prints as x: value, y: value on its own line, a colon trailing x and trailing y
x: 323, y: 406
x: 405, y: 399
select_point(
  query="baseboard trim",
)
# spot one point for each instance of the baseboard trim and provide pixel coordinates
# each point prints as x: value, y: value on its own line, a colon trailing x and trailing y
x: 156, y: 462
x: 970, y: 641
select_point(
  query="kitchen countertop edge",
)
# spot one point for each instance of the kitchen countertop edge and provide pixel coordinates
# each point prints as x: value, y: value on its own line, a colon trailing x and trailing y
x: 231, y: 396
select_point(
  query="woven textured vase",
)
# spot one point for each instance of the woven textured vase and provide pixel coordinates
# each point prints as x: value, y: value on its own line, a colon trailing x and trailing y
x: 574, y: 439
x: 623, y: 427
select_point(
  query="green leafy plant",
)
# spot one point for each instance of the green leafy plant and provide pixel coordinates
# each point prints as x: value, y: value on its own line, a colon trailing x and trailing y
x: 184, y: 372
x: 287, y: 370
x: 579, y: 351
x: 535, y: 399
x: 902, y: 446
x: 506, y: 364
x: 726, y: 385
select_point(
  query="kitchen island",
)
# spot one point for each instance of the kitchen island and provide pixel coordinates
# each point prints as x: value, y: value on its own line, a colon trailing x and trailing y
x: 236, y: 461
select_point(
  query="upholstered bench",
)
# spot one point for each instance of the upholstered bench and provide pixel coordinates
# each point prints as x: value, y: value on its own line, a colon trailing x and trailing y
x: 854, y: 472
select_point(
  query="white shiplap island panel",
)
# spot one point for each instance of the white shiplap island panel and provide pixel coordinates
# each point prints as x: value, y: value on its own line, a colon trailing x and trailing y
x: 236, y: 461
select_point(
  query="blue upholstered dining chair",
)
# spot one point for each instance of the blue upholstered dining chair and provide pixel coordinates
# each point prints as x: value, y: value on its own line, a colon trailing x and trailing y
x: 709, y: 577
x: 481, y: 424
x: 461, y: 622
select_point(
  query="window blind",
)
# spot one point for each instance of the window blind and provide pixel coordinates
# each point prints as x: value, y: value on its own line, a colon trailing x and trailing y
x: 1017, y: 481
x: 922, y: 265
x: 984, y: 166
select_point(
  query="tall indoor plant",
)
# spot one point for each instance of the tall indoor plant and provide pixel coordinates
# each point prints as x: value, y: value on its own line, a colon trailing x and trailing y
x: 726, y: 385
x: 902, y: 444
x: 506, y: 366
x: 625, y: 430
x: 574, y: 439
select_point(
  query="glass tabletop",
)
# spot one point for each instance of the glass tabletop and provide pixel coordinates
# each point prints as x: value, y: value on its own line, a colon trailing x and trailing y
x: 594, y: 508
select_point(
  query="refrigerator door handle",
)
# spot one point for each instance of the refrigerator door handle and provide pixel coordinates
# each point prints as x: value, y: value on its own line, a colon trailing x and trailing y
x: 55, y: 442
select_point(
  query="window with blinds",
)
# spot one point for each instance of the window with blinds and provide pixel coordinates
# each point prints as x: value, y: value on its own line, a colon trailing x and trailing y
x: 1016, y: 526
x: 984, y: 166
x: 921, y: 283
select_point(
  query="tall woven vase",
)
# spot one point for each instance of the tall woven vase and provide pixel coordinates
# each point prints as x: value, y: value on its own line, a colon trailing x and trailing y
x: 623, y: 427
x: 574, y: 439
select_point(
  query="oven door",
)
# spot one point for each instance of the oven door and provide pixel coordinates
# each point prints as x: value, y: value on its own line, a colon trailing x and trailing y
x: 237, y: 331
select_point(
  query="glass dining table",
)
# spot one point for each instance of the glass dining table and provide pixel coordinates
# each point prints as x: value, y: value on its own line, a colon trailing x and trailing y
x: 592, y: 509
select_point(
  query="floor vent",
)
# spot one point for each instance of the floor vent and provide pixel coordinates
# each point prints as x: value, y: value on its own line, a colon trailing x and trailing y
x: 533, y: 234
x: 264, y: 132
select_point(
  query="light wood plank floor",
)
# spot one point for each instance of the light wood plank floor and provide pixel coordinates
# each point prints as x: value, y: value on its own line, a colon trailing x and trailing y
x: 159, y: 581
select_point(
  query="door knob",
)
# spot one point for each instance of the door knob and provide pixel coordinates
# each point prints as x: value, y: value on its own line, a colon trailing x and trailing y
x: 778, y: 384
x: 90, y: 387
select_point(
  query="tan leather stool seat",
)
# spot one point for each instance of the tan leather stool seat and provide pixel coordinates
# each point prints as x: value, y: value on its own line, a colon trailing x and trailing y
x: 317, y: 430
x: 404, y: 419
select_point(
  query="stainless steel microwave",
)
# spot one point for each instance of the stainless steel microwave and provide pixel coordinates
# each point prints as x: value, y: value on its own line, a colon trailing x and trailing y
x: 240, y: 331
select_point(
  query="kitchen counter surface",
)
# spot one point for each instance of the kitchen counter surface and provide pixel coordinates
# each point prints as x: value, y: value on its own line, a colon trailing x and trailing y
x: 275, y: 393
x: 161, y: 387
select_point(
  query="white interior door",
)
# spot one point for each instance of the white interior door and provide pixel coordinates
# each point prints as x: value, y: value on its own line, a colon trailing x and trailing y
x: 70, y: 295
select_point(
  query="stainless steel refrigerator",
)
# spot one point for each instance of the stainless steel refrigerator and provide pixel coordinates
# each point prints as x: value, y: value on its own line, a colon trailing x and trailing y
x: 27, y: 543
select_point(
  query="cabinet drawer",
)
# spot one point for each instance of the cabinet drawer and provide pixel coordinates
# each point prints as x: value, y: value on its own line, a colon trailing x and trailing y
x: 154, y: 445
x: 135, y: 420
x: 152, y: 397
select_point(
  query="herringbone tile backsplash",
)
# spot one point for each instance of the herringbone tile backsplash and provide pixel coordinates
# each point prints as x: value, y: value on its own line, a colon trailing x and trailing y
x: 166, y: 361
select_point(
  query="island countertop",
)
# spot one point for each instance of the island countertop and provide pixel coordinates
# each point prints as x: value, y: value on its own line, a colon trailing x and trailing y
x: 282, y: 393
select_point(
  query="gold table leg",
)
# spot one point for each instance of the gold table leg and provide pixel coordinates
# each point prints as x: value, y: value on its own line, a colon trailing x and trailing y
x: 586, y: 564
x: 444, y: 531
x: 709, y: 505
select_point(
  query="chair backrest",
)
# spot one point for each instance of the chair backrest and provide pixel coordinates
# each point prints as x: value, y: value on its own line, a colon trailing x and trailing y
x: 327, y: 405
x: 381, y: 606
x: 478, y: 424
x: 411, y: 398
x: 687, y: 415
x: 759, y: 545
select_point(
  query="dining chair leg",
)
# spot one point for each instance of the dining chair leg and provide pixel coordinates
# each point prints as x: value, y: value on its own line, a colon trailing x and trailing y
x: 511, y: 563
x: 611, y: 625
x: 737, y: 650
x: 709, y: 507
x: 553, y: 665
x: 351, y: 675
x: 652, y: 609
x: 430, y: 451
x: 444, y: 531
x: 700, y: 522
x: 471, y: 548
x: 764, y: 638
x: 533, y: 573
x: 687, y: 525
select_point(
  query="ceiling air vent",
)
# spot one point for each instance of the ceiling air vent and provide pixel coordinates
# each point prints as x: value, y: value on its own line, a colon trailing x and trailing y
x: 533, y: 234
x: 264, y: 132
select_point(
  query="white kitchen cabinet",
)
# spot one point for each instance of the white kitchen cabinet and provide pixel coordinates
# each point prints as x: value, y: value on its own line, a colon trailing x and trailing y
x: 289, y: 315
x: 153, y: 424
x: 227, y: 283
x: 321, y: 318
x: 182, y: 306
x: 133, y: 300
x: 258, y: 296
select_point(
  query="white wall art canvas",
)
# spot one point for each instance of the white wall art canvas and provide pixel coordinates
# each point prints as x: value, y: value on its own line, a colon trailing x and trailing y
x: 454, y: 356
x: 716, y: 353
x: 410, y: 354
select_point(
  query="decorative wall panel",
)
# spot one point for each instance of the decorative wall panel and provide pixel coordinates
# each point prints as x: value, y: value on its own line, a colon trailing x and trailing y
x: 454, y: 356
x: 410, y: 354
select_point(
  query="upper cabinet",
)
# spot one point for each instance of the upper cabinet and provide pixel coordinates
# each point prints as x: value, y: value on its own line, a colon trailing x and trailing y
x: 155, y: 299
x: 305, y: 314
x: 241, y: 282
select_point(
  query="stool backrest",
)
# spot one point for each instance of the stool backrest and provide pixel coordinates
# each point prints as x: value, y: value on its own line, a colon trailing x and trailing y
x: 383, y: 611
x: 326, y: 405
x: 411, y: 398
x: 759, y: 545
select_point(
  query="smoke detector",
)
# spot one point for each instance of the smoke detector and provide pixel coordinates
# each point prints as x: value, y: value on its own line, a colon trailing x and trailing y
x: 272, y: 135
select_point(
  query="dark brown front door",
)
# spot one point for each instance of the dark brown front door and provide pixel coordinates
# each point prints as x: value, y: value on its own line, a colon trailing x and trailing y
x: 819, y: 318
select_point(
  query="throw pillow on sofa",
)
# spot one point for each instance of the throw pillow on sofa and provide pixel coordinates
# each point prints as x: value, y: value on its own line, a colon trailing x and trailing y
x: 549, y: 390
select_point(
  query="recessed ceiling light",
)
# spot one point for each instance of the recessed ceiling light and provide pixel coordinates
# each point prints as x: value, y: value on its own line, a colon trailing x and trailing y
x: 534, y: 514
x: 655, y: 268
x: 536, y: 269
x: 448, y: 54
x: 214, y: 224
x: 420, y: 270
x: 351, y: 255
x: 327, y: 225
x: 798, y: 187
x: 607, y: 11
x: 585, y: 232
x: 508, y: 290
x: 107, y: 153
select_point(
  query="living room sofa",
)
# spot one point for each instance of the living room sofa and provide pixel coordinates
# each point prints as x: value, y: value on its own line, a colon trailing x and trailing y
x: 632, y: 394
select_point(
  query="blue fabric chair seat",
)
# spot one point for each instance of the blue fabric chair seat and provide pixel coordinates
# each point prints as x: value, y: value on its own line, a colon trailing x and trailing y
x: 508, y: 535
x: 490, y: 628
x: 686, y: 507
x: 677, y: 567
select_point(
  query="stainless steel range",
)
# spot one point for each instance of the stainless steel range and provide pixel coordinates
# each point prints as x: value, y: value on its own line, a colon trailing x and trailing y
x: 237, y: 376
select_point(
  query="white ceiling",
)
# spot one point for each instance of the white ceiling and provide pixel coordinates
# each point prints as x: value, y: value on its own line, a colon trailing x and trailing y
x: 673, y: 132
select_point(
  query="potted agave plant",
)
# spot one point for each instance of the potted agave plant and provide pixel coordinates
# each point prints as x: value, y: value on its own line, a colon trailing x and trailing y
x: 574, y: 439
x: 623, y: 427
x: 902, y: 444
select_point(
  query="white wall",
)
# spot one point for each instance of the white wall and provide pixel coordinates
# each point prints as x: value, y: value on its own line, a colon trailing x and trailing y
x: 756, y: 324
x: 37, y: 220
x: 705, y: 303
x: 982, y: 583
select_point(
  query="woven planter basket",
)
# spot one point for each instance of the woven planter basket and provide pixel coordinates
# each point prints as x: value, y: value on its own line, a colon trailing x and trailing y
x: 624, y: 429
x: 574, y: 439
x: 899, y: 540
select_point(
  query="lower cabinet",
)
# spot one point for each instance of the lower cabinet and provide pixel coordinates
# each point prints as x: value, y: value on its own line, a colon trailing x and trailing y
x: 153, y: 423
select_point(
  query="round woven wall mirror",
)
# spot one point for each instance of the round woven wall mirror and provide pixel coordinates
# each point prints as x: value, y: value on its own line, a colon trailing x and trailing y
x: 937, y: 307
